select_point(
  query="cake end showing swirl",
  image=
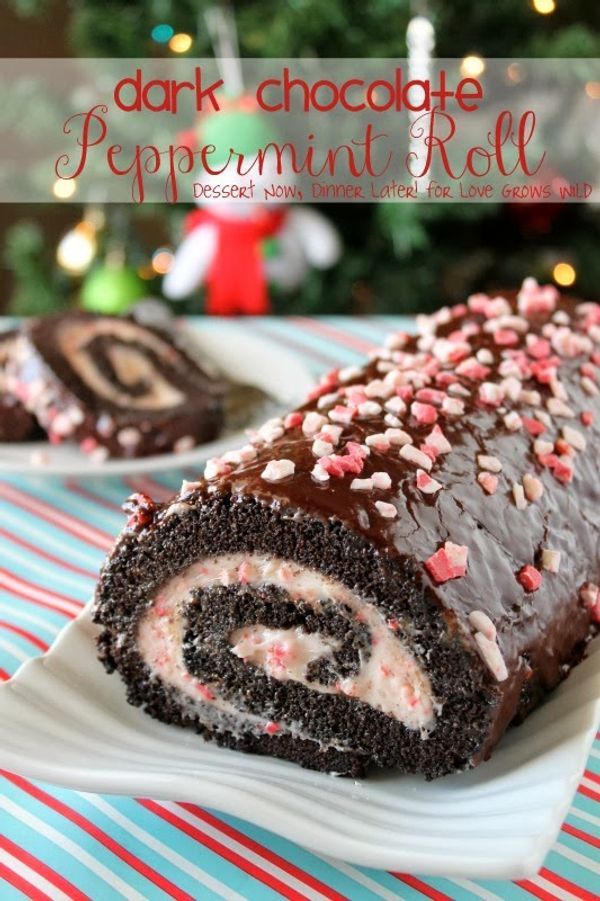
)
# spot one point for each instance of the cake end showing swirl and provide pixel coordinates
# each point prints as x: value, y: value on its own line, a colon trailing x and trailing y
x: 116, y: 387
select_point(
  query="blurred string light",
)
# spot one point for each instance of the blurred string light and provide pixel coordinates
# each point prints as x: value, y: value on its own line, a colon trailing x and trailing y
x: 180, y: 43
x: 77, y: 248
x: 564, y: 274
x: 592, y: 89
x: 162, y: 33
x: 162, y: 260
x: 472, y: 66
x: 544, y: 7
x: 63, y: 188
x: 514, y: 73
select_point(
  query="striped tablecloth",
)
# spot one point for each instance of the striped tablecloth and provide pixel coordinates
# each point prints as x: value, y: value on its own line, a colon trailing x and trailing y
x: 61, y: 844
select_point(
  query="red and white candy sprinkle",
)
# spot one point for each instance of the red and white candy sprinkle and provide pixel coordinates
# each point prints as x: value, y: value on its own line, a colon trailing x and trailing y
x: 492, y: 657
x: 426, y: 484
x: 388, y: 511
x: 488, y: 482
x: 412, y: 454
x: 449, y: 562
x: 276, y: 470
x: 550, y: 560
x: 491, y: 464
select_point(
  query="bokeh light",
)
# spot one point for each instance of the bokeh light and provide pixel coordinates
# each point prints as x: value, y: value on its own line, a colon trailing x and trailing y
x: 77, y: 249
x: 564, y: 274
x: 472, y: 66
x: 544, y: 7
x: 162, y: 33
x: 63, y: 188
x: 180, y: 43
x: 162, y: 260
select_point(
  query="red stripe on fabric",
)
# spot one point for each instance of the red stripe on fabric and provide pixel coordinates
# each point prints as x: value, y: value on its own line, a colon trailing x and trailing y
x: 263, y: 851
x: 422, y: 887
x: 568, y: 886
x: 150, y: 486
x: 223, y: 851
x: 26, y: 597
x: 298, y: 346
x: 10, y: 579
x: 24, y: 634
x: 4, y: 676
x: 99, y: 835
x: 595, y: 777
x: 589, y: 792
x: 38, y: 866
x: 72, y: 567
x: 330, y: 331
x: 580, y: 834
x: 76, y: 488
x: 49, y: 513
x: 536, y: 890
x: 26, y: 888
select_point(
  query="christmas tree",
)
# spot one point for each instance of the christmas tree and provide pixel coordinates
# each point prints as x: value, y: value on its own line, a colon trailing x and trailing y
x: 398, y: 257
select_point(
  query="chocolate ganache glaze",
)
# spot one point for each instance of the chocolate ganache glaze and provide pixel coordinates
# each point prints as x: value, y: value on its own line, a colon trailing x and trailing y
x: 446, y: 497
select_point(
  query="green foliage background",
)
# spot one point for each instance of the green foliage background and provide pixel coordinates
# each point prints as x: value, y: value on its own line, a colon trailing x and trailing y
x: 398, y: 257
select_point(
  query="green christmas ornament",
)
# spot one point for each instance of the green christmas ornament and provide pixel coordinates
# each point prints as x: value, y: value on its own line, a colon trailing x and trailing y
x: 111, y: 289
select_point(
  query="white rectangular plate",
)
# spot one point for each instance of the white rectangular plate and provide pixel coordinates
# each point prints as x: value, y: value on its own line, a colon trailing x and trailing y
x: 63, y: 720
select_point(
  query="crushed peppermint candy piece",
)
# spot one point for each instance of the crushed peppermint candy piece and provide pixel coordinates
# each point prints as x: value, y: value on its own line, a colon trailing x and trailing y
x: 392, y: 421
x: 379, y: 441
x: 321, y: 448
x: 533, y: 487
x: 425, y: 414
x: 368, y: 409
x: 513, y: 421
x: 216, y: 467
x: 438, y: 440
x: 276, y: 470
x: 349, y: 372
x: 587, y: 418
x: 491, y: 394
x: 449, y: 562
x: 395, y: 405
x: 492, y: 657
x: 574, y: 438
x: 491, y: 464
x: 333, y: 432
x: 292, y: 420
x: 529, y: 577
x: 397, y: 437
x: 412, y: 454
x: 488, y: 482
x: 550, y: 560
x: 534, y: 427
x: 388, y: 511
x: 426, y: 484
x: 452, y: 406
x: 319, y: 473
x: 589, y: 386
x: 342, y: 414
x: 361, y: 485
x: 558, y: 407
x: 312, y: 423
x: 381, y: 480
x: 541, y: 447
x: 519, y: 496
x: 482, y: 623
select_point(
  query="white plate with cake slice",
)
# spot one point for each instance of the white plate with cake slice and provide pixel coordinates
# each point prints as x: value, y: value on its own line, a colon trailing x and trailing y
x: 270, y: 380
x: 63, y: 720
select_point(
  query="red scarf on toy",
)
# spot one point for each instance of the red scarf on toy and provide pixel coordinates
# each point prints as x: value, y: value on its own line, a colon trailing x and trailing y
x: 235, y: 281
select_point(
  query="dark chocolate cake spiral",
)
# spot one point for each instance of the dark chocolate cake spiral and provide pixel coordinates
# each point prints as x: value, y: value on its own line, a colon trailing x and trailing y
x: 16, y: 423
x: 391, y: 574
x: 117, y: 387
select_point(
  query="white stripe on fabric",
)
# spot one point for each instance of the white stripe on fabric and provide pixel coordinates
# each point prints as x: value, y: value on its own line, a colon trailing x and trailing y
x: 361, y: 878
x: 156, y: 845
x: 15, y: 651
x: 257, y: 859
x: 585, y: 862
x: 38, y: 881
x: 66, y: 844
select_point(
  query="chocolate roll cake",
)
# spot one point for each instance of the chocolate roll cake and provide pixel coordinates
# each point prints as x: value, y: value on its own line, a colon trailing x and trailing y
x: 16, y: 423
x: 391, y: 574
x: 115, y: 386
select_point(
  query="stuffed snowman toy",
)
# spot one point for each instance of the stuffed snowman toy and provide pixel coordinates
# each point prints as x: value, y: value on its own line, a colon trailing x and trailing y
x: 235, y: 248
